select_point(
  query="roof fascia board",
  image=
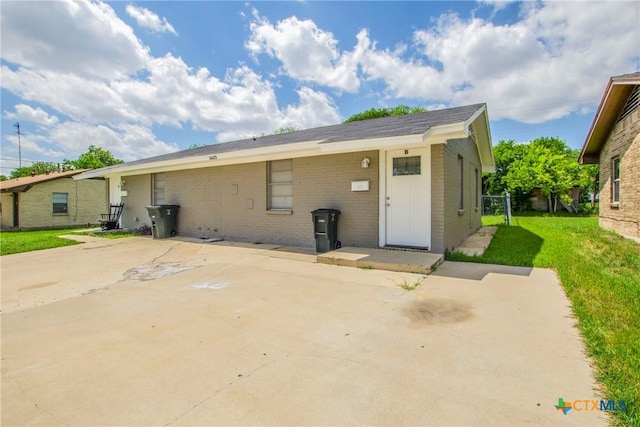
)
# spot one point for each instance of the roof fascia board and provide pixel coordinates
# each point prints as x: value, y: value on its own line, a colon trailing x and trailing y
x: 482, y: 138
x: 602, y: 121
x: 588, y: 142
x: 295, y: 150
x: 208, y: 163
x: 217, y: 159
x: 440, y: 134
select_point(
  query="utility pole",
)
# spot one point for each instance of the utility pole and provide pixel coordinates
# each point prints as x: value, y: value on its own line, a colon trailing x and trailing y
x: 17, y: 126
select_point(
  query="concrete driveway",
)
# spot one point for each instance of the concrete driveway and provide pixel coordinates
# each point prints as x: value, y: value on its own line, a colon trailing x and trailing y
x: 168, y: 332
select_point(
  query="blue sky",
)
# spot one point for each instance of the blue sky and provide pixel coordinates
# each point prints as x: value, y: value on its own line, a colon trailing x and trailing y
x: 147, y: 78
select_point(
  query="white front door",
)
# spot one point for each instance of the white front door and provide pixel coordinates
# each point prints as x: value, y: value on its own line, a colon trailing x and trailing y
x: 408, y: 198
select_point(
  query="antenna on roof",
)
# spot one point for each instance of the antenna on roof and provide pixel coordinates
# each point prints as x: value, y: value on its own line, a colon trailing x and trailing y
x: 17, y: 126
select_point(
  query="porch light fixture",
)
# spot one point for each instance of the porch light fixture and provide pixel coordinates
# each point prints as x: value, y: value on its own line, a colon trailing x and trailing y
x: 365, y: 163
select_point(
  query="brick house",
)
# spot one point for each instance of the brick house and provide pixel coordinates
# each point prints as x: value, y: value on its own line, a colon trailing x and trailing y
x: 53, y: 200
x: 614, y: 142
x: 409, y: 181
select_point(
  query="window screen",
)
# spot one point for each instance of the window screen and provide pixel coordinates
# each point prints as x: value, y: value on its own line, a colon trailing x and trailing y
x: 158, y: 188
x: 280, y: 185
x: 60, y: 203
x: 615, y: 179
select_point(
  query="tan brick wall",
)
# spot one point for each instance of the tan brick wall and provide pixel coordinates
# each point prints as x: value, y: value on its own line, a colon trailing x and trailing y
x: 624, y: 141
x: 437, y: 198
x: 447, y: 221
x: 87, y: 199
x: 231, y: 201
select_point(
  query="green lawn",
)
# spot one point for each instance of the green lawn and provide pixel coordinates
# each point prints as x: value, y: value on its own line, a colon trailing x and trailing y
x: 600, y: 272
x: 13, y: 242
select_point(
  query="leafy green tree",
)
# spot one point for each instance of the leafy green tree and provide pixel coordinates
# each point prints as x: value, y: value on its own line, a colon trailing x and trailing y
x: 504, y: 154
x: 3, y: 178
x: 376, y: 113
x: 588, y: 180
x: 35, y: 168
x: 548, y: 164
x: 94, y: 158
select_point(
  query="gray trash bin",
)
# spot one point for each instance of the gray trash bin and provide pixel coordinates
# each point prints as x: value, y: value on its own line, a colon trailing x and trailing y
x: 164, y: 220
x: 325, y: 229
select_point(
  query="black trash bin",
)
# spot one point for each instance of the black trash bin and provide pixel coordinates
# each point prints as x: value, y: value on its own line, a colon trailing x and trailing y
x: 325, y: 229
x: 164, y: 220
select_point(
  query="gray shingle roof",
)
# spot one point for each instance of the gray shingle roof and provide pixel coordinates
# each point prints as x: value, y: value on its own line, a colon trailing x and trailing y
x: 411, y: 124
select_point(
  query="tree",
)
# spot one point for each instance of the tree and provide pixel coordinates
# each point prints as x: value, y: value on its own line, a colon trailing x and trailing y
x: 588, y: 181
x: 548, y: 164
x: 94, y: 158
x: 3, y: 178
x: 35, y: 168
x: 376, y: 113
x: 504, y: 154
x: 545, y: 163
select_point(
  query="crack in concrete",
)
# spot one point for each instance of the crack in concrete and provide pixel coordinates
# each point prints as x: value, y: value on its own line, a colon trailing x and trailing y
x: 155, y: 260
x: 216, y: 392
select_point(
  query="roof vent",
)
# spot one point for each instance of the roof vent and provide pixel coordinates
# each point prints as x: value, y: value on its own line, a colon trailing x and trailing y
x: 633, y: 102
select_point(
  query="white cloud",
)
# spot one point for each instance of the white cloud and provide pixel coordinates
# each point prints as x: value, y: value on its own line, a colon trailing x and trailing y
x: 27, y: 113
x: 147, y: 19
x: 117, y: 109
x: 99, y: 84
x: 551, y: 62
x: 314, y: 109
x: 124, y: 141
x: 83, y: 38
x: 306, y: 52
x: 537, y: 69
x: 31, y: 146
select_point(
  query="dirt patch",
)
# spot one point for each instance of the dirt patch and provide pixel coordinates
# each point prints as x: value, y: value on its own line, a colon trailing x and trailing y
x: 155, y: 271
x: 438, y: 310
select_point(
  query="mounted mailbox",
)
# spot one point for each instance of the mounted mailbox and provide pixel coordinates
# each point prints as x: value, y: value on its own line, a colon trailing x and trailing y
x: 359, y: 185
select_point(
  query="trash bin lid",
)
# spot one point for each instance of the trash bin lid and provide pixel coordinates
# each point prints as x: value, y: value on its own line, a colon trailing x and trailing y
x: 326, y: 211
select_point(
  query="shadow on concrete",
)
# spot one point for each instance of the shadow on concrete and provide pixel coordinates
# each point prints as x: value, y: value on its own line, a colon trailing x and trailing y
x: 476, y: 271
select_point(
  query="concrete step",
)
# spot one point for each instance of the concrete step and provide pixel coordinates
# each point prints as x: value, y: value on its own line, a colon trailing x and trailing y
x: 383, y: 259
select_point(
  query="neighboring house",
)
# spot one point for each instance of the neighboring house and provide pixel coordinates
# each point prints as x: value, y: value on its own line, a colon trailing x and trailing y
x: 408, y: 181
x: 614, y: 142
x: 52, y: 200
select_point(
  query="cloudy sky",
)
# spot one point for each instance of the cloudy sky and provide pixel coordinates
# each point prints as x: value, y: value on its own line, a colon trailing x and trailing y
x: 147, y: 78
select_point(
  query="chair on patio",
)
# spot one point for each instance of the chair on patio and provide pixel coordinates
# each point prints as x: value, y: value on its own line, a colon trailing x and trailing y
x: 109, y: 221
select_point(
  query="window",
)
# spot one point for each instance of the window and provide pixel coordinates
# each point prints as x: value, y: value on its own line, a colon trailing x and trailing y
x: 158, y: 188
x: 477, y: 189
x: 406, y: 166
x: 615, y: 180
x: 280, y: 185
x: 460, y: 183
x: 60, y: 203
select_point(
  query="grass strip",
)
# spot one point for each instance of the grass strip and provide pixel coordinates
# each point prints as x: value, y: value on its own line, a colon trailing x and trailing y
x: 600, y: 272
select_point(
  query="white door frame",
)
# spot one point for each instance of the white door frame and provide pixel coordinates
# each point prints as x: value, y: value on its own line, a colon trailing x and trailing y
x: 382, y: 189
